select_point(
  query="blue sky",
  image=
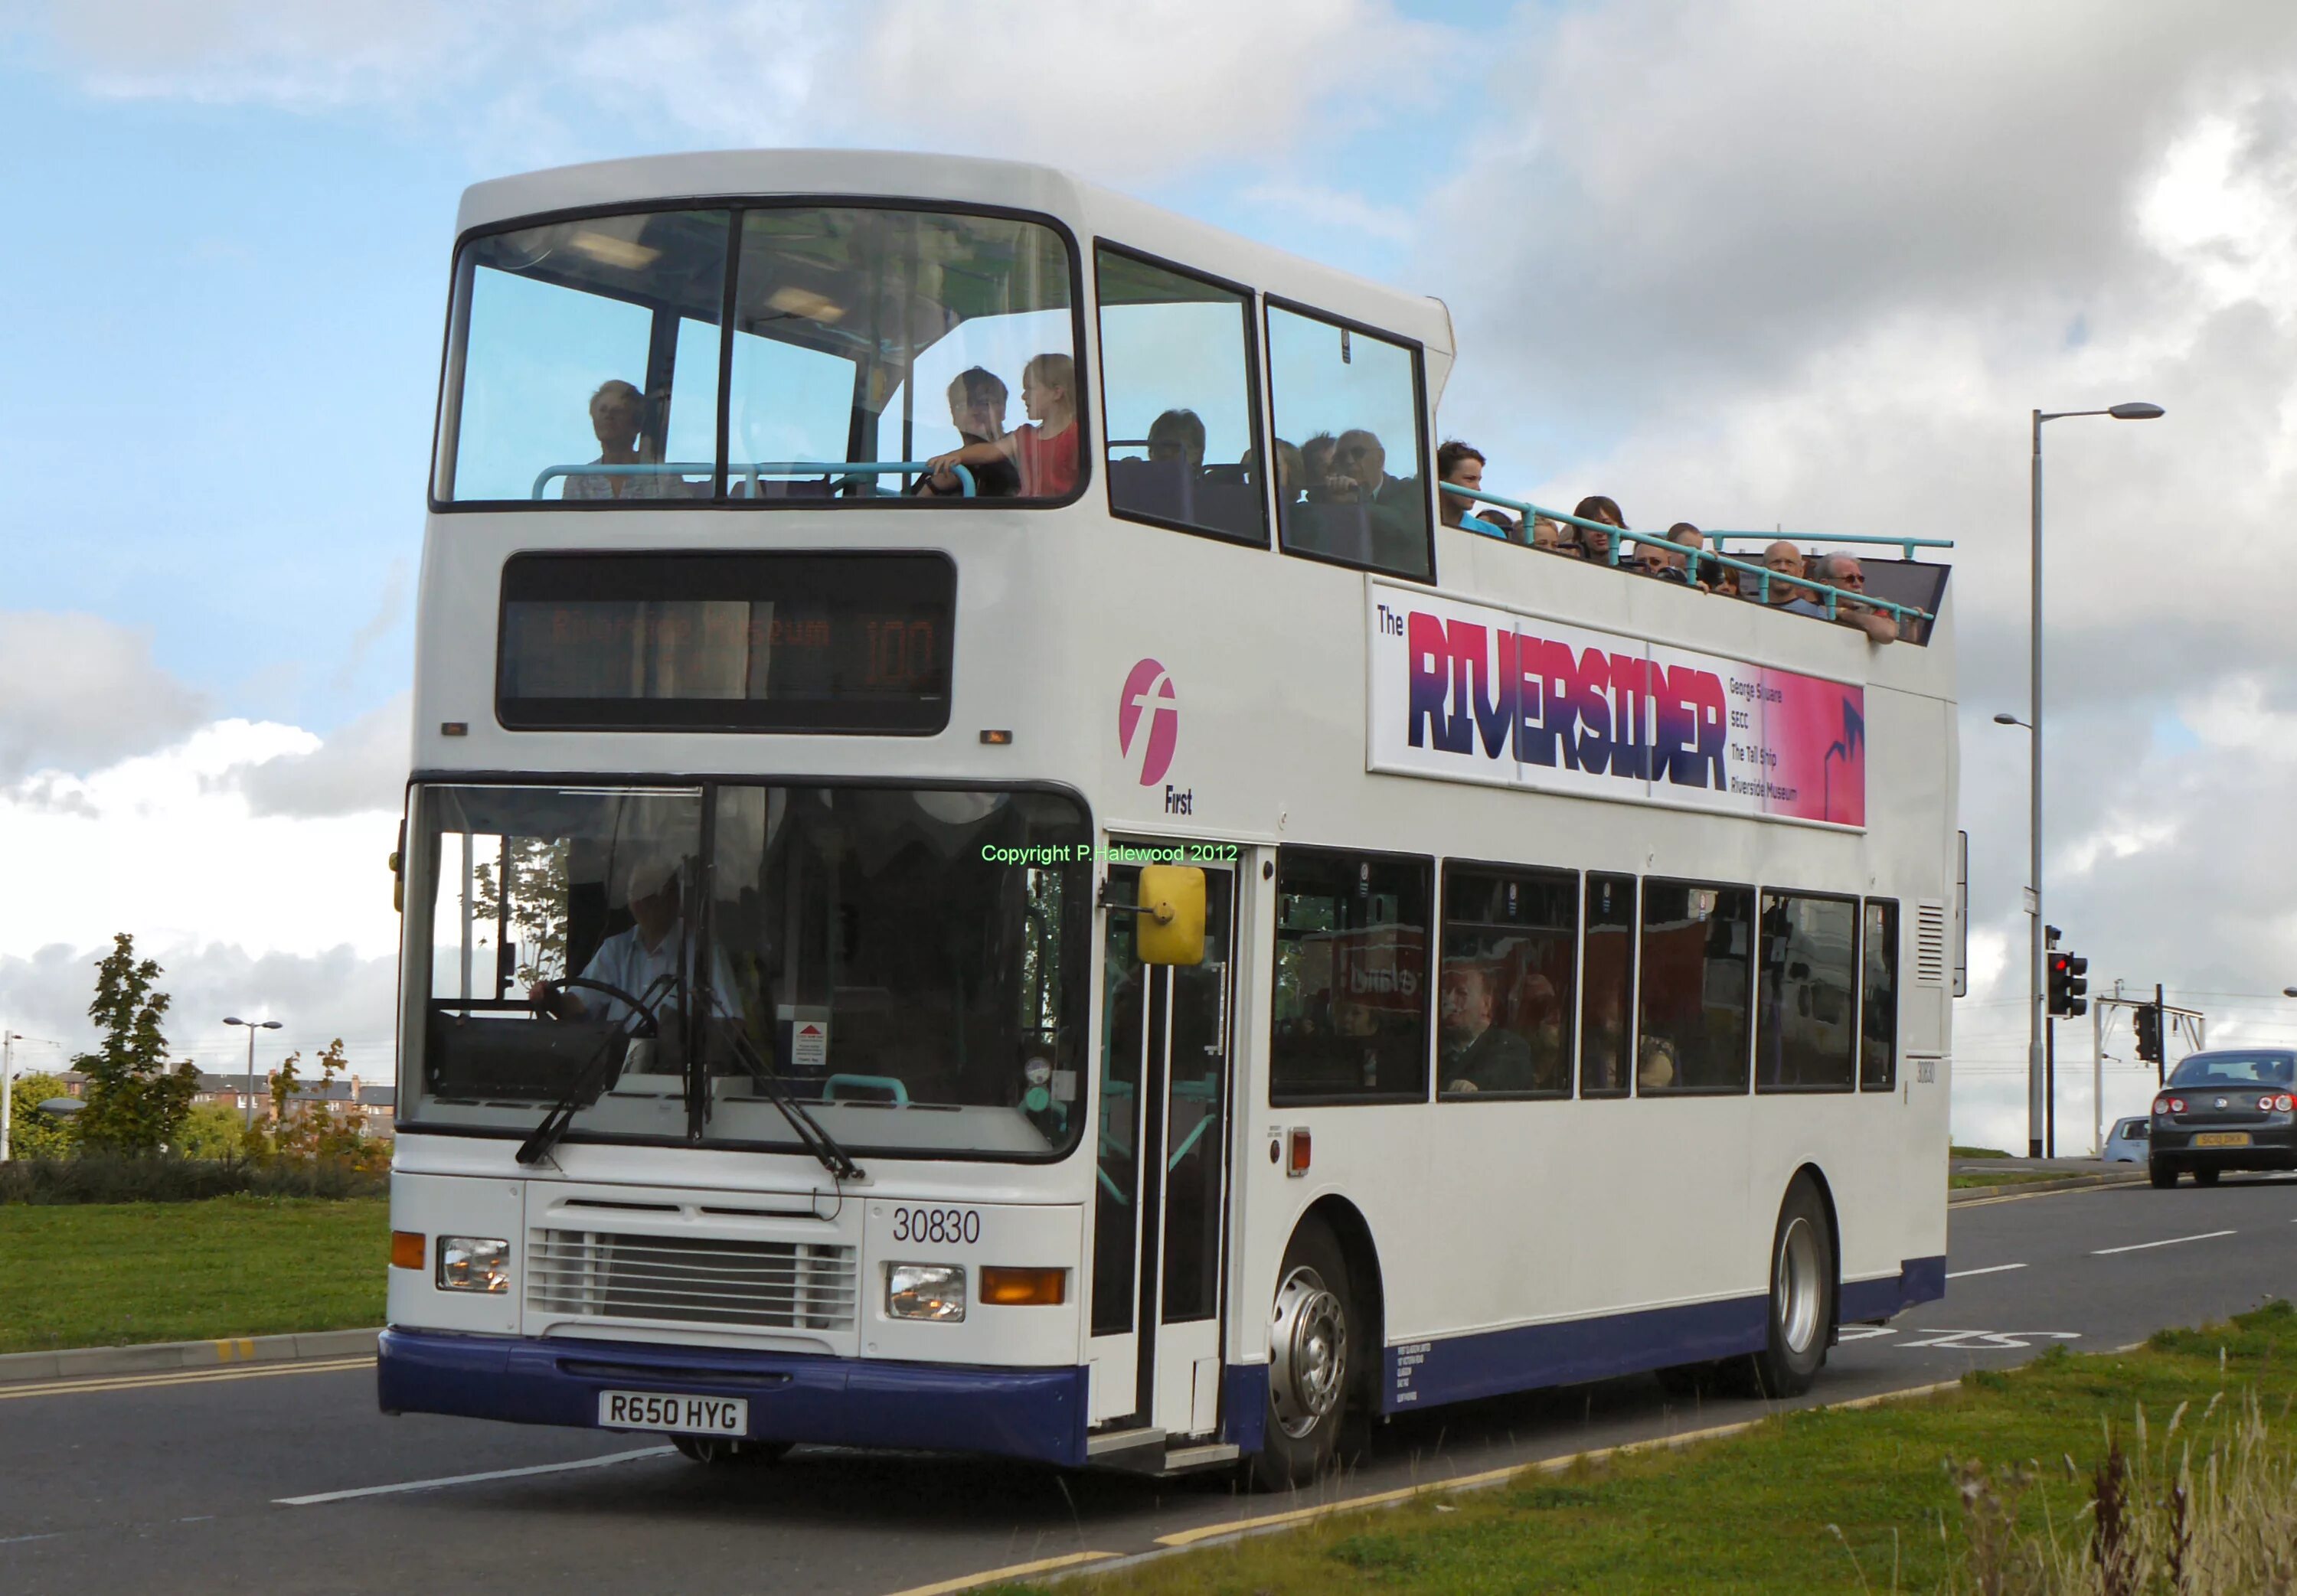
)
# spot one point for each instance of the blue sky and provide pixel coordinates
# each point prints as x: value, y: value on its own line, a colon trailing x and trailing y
x: 228, y: 362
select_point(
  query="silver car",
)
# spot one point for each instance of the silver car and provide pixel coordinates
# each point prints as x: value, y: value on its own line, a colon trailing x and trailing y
x: 2129, y: 1140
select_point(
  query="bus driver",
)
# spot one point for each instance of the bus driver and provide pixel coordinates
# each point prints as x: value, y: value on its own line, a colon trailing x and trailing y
x: 651, y: 959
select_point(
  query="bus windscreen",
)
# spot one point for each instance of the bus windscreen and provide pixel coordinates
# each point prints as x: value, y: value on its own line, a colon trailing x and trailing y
x: 851, y: 642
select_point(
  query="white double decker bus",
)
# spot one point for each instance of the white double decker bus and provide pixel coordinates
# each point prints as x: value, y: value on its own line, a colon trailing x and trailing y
x: 983, y: 872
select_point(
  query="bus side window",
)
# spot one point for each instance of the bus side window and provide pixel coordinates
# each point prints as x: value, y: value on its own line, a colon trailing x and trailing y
x: 1697, y: 979
x: 1878, y: 1026
x: 1182, y: 417
x: 1350, y: 403
x: 1610, y: 981
x: 1504, y: 989
x: 1350, y: 1016
x: 1806, y: 998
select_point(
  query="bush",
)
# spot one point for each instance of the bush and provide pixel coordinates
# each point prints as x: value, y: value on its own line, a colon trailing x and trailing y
x: 103, y: 1177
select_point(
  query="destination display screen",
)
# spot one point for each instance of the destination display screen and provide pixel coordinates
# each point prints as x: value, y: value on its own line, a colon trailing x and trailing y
x: 854, y: 642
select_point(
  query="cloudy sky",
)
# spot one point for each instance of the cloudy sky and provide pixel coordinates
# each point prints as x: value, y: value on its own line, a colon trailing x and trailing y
x: 1748, y: 263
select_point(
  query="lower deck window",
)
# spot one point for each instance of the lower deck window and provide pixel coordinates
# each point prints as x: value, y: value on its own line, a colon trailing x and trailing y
x: 1806, y: 1001
x: 1697, y: 964
x: 1351, y: 1011
x: 1878, y: 1025
x: 1506, y: 987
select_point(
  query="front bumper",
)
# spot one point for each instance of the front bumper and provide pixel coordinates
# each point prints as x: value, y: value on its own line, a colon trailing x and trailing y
x: 1033, y: 1414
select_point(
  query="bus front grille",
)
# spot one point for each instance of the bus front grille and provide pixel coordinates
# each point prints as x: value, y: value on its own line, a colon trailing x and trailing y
x: 686, y: 1280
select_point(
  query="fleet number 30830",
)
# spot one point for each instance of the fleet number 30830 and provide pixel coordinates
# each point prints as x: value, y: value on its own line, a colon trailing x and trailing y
x: 952, y: 1225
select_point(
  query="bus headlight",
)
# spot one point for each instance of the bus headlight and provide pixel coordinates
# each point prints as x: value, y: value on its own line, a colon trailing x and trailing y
x: 473, y: 1264
x: 934, y: 1291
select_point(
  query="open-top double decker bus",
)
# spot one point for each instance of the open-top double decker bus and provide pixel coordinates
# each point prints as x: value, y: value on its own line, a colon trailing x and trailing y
x: 984, y: 873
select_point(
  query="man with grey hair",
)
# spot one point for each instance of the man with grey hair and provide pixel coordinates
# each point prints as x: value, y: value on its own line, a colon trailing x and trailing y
x: 1843, y: 571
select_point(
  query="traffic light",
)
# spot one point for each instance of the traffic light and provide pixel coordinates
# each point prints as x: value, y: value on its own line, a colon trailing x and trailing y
x: 2148, y: 1034
x: 2068, y: 983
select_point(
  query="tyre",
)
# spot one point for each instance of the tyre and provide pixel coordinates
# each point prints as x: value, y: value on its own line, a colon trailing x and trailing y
x: 2205, y: 1177
x: 1802, y: 1297
x: 1312, y: 1356
x: 714, y: 1451
x: 2161, y: 1174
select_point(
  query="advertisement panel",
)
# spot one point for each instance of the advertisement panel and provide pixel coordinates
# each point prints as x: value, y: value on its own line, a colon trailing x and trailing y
x: 1467, y: 692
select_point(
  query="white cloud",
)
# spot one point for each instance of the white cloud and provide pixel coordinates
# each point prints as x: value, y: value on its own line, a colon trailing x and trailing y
x: 1335, y: 208
x: 168, y: 846
x: 1144, y: 90
x: 76, y: 690
x: 360, y: 769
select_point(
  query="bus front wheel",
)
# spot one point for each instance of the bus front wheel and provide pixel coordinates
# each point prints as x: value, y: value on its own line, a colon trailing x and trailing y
x: 1801, y: 1296
x: 1311, y: 1358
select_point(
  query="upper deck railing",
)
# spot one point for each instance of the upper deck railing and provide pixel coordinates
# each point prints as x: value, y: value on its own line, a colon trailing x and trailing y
x: 1616, y: 535
x: 841, y: 472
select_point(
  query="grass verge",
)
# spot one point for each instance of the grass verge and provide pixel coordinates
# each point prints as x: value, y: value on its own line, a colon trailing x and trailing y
x: 2000, y: 1177
x: 1976, y: 1153
x: 113, y: 1273
x: 1962, y: 1491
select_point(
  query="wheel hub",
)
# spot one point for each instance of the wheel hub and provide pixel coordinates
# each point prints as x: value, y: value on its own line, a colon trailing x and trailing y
x: 1797, y: 1287
x: 1308, y: 1343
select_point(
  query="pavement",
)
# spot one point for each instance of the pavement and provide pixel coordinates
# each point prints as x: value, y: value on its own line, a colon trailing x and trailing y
x: 254, y: 1478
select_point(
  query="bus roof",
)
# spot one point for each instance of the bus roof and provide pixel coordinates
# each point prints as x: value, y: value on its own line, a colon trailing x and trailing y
x: 1090, y: 210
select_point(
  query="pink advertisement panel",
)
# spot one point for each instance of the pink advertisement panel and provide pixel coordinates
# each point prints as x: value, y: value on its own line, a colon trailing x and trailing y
x: 1466, y: 692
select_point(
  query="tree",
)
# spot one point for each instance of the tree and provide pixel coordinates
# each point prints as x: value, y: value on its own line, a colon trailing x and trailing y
x: 537, y: 909
x: 32, y: 1134
x: 210, y: 1131
x: 136, y: 1103
x: 315, y: 1126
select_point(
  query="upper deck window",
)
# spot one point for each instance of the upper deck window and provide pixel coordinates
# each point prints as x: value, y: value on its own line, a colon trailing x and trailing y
x: 585, y: 360
x: 1177, y: 387
x: 1349, y: 405
x: 590, y: 346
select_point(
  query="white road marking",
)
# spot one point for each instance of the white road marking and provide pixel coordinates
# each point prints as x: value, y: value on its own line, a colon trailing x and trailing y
x: 1987, y: 1341
x: 472, y: 1479
x: 1964, y: 1274
x: 2107, y: 1252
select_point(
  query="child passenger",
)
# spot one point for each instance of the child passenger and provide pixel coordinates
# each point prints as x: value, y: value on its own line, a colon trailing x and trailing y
x: 1045, y: 451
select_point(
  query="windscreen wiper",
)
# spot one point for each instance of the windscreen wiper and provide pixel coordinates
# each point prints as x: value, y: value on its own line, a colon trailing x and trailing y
x: 820, y: 1143
x: 591, y: 1079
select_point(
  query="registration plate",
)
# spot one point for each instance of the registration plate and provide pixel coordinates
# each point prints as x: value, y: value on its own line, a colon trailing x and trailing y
x: 2222, y: 1139
x: 677, y: 1415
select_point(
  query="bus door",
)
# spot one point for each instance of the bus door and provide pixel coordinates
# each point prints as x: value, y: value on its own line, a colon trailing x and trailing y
x: 1160, y: 1187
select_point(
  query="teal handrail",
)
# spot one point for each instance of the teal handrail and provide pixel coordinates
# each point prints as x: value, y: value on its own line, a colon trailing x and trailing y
x: 1880, y: 539
x: 1762, y: 573
x: 845, y: 471
x: 868, y: 1084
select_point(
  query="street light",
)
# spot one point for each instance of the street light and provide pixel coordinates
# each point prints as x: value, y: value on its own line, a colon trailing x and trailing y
x: 253, y: 1027
x: 2010, y: 720
x: 2132, y: 411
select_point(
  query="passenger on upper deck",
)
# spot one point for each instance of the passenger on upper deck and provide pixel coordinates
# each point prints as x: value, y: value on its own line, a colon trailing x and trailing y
x: 1046, y: 450
x: 1463, y: 464
x: 1785, y: 562
x: 1316, y: 459
x: 1595, y: 544
x: 617, y: 411
x: 1177, y: 435
x: 977, y: 409
x: 1398, y: 517
x: 1841, y: 571
x: 1697, y: 569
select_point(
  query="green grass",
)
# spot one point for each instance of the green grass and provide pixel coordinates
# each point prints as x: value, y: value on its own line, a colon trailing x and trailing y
x: 2001, y: 1177
x: 1810, y: 1501
x: 1976, y: 1153
x: 113, y: 1273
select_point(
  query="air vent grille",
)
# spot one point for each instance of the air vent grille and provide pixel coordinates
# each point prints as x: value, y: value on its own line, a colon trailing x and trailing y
x: 1929, y: 944
x: 685, y: 1280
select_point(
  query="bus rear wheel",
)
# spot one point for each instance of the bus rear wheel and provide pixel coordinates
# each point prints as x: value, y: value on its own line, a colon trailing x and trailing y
x: 1801, y: 1297
x: 1310, y: 1360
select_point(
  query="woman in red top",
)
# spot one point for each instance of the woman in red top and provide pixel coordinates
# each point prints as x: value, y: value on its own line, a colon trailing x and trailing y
x: 1045, y: 451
